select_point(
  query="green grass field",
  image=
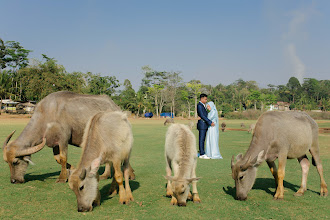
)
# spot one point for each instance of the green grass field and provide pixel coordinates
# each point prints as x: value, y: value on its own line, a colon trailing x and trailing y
x: 41, y: 198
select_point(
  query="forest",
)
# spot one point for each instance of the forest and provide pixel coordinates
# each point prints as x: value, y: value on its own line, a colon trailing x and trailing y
x: 24, y: 79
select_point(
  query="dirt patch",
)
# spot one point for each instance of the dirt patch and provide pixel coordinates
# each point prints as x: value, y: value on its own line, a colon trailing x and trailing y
x: 10, y: 119
x: 324, y: 130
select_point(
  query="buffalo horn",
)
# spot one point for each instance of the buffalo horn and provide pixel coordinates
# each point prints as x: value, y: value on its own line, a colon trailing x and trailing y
x: 232, y: 161
x: 8, y: 139
x: 31, y: 150
x: 246, y: 165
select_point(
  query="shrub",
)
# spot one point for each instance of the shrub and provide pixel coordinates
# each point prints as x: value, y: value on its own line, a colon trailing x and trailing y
x: 249, y: 115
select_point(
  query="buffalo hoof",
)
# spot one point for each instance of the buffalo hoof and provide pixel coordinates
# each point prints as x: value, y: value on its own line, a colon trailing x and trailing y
x: 174, y: 201
x: 298, y: 194
x: 132, y: 176
x: 324, y: 194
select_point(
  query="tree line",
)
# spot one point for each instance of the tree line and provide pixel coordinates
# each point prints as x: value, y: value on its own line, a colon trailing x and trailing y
x: 160, y: 91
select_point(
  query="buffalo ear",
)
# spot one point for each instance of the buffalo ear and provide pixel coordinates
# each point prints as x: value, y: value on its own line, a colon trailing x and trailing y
x: 95, y: 165
x: 170, y: 178
x: 27, y: 159
x: 82, y: 176
x: 239, y: 157
x: 258, y: 159
x: 193, y: 179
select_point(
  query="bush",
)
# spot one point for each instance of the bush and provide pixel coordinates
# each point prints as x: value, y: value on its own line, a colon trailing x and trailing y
x: 248, y: 115
x: 319, y: 115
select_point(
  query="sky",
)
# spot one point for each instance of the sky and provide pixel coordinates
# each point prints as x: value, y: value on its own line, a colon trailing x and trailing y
x: 212, y: 41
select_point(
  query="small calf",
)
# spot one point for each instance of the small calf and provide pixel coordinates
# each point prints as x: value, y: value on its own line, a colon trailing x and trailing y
x: 223, y: 126
x: 107, y: 139
x: 251, y: 128
x: 181, y: 156
x: 169, y: 121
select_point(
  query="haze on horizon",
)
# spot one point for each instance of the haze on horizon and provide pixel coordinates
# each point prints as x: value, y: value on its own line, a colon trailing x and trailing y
x: 212, y: 41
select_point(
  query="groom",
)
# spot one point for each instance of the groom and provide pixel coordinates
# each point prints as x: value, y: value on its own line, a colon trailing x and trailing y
x: 203, y: 124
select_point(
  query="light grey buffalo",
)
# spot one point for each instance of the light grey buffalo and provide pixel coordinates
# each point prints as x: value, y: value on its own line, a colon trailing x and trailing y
x: 61, y: 118
x: 108, y: 138
x: 181, y: 157
x: 282, y: 136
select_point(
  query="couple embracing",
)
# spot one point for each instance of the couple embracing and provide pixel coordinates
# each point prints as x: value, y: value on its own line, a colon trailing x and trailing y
x: 208, y: 127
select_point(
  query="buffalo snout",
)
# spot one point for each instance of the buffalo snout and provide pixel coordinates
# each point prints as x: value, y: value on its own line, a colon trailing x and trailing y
x: 182, y: 204
x: 241, y: 198
x: 84, y: 209
x: 15, y: 181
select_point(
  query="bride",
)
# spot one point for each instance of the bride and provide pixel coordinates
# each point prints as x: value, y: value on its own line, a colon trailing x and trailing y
x: 212, y: 135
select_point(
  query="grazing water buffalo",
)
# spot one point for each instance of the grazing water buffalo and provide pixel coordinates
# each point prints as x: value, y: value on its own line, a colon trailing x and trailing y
x: 282, y: 135
x: 251, y: 128
x: 169, y: 121
x: 223, y: 126
x: 61, y: 118
x: 108, y: 138
x: 181, y: 156
x: 191, y: 125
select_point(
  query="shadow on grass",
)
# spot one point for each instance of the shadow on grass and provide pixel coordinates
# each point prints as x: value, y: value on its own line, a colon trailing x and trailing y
x: 41, y: 177
x: 105, y: 190
x: 266, y: 184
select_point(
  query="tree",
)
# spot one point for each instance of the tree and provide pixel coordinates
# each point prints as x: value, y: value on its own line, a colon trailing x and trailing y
x: 294, y: 87
x: 128, y: 97
x: 154, y: 82
x: 2, y: 54
x: 312, y: 88
x: 255, y: 97
x: 98, y: 84
x: 195, y: 87
x: 16, y: 55
x: 174, y: 81
x: 16, y: 58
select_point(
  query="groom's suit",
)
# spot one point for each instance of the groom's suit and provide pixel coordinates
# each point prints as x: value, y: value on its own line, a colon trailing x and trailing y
x: 202, y: 126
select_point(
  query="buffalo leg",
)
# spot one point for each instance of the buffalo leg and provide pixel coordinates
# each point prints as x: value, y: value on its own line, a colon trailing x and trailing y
x: 195, y: 195
x: 107, y: 172
x: 280, y: 177
x: 316, y: 155
x: 129, y: 196
x: 169, y: 192
x: 273, y: 170
x: 113, y: 187
x: 61, y: 158
x: 119, y: 179
x: 131, y: 172
x: 304, y: 163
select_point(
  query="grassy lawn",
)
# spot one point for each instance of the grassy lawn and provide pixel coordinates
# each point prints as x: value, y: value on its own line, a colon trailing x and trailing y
x: 41, y: 198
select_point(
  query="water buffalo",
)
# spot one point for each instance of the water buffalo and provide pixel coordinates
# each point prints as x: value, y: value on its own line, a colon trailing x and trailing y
x: 223, y: 126
x: 251, y: 128
x: 169, y: 121
x: 282, y: 135
x: 60, y: 118
x: 181, y: 156
x: 108, y: 138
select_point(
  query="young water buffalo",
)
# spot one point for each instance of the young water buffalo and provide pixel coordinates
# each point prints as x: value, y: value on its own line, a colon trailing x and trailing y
x: 61, y: 118
x: 181, y: 156
x: 223, y: 126
x: 169, y: 121
x: 251, y: 128
x: 282, y: 135
x: 107, y: 138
